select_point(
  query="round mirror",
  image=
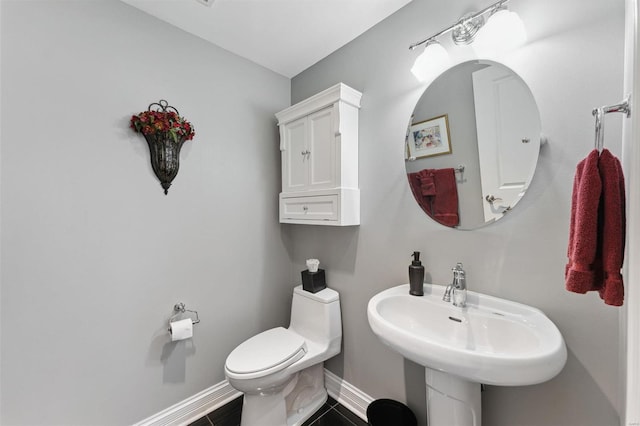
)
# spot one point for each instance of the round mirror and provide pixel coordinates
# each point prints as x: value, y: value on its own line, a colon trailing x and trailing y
x: 472, y: 144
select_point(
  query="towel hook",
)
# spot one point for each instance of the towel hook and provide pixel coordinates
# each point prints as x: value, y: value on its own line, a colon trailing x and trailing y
x: 599, y: 114
x: 623, y: 107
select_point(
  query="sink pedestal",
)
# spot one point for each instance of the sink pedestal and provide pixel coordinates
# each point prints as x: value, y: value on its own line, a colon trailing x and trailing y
x: 452, y: 401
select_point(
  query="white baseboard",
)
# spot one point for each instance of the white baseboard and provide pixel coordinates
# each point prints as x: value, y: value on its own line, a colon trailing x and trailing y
x: 347, y: 395
x: 201, y: 404
x: 195, y: 407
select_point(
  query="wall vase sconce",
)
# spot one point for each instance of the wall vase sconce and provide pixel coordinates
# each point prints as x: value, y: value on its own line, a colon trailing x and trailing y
x: 165, y: 132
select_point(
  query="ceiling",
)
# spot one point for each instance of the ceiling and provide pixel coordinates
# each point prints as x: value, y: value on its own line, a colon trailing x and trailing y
x: 285, y: 36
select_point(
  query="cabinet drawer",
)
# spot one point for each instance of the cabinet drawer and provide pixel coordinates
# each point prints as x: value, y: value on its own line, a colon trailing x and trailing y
x: 323, y: 207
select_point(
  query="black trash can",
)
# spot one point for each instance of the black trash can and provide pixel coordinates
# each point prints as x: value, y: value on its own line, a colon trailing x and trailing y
x: 387, y: 412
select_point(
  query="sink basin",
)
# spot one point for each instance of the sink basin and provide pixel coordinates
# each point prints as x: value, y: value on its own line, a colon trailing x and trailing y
x: 491, y: 340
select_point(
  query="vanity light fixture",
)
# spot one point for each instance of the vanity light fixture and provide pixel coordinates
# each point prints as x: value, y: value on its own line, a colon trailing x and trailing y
x: 503, y: 30
x: 431, y: 62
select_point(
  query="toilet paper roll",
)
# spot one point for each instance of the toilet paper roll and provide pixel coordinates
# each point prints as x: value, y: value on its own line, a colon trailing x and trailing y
x: 181, y: 330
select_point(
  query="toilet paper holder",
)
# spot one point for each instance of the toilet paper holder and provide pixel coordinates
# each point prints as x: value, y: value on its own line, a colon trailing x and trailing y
x: 180, y: 309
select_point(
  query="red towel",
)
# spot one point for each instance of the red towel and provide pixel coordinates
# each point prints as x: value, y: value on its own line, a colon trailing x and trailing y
x: 427, y: 184
x: 581, y: 270
x: 415, y: 183
x: 613, y: 228
x: 437, y: 193
x: 597, y: 233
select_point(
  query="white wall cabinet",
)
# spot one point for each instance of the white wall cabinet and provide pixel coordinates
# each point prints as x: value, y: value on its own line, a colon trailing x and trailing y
x: 319, y: 150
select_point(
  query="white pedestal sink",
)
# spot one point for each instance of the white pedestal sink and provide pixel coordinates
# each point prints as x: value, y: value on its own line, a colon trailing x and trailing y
x: 491, y: 341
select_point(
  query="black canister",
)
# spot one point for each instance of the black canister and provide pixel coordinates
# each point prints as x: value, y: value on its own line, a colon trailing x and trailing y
x: 416, y: 276
x: 313, y: 282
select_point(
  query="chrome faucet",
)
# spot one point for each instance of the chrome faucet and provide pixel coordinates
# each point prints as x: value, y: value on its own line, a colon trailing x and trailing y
x: 458, y: 287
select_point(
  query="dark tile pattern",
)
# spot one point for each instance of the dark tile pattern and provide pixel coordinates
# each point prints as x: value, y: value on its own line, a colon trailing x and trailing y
x: 349, y: 416
x: 330, y: 414
x: 204, y: 421
x: 227, y: 415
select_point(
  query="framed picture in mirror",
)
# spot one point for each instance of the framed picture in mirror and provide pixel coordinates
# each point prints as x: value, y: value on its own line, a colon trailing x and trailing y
x: 429, y: 138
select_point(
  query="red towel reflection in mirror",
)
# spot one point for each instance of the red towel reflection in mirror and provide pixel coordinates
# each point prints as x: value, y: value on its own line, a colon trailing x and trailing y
x: 436, y: 192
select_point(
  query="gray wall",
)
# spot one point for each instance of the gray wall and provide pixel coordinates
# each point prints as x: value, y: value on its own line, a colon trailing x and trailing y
x: 94, y: 255
x: 573, y: 62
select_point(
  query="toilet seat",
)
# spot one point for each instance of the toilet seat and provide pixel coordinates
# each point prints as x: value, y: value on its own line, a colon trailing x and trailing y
x: 265, y: 353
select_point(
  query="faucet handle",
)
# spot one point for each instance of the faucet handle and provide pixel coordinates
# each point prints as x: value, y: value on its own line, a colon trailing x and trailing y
x: 458, y: 272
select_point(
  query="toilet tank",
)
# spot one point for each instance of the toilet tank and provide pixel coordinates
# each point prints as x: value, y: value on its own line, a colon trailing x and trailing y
x: 316, y: 316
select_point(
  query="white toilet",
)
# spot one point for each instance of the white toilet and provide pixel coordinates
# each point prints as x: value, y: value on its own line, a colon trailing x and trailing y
x: 280, y: 371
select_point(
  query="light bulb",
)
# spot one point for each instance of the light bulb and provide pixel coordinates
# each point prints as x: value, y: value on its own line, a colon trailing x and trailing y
x: 504, y: 31
x: 431, y: 62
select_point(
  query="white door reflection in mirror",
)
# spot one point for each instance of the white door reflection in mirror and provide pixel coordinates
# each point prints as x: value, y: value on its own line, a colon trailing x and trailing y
x: 508, y: 141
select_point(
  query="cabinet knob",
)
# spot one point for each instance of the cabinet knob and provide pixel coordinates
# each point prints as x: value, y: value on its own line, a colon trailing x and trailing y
x: 305, y: 208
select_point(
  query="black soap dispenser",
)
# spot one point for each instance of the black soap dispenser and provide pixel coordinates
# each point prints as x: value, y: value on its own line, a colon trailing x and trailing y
x: 416, y: 276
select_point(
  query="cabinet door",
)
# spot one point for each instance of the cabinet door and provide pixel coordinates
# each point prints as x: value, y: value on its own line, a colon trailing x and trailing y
x: 322, y: 149
x: 295, y: 156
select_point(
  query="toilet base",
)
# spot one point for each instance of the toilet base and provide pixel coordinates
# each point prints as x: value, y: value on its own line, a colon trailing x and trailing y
x: 290, y: 406
x: 299, y: 417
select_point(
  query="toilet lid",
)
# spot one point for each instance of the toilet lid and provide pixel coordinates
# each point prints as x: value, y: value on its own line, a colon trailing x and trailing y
x: 269, y: 349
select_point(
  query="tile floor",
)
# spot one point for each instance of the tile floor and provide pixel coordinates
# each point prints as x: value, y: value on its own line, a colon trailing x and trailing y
x: 330, y: 414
